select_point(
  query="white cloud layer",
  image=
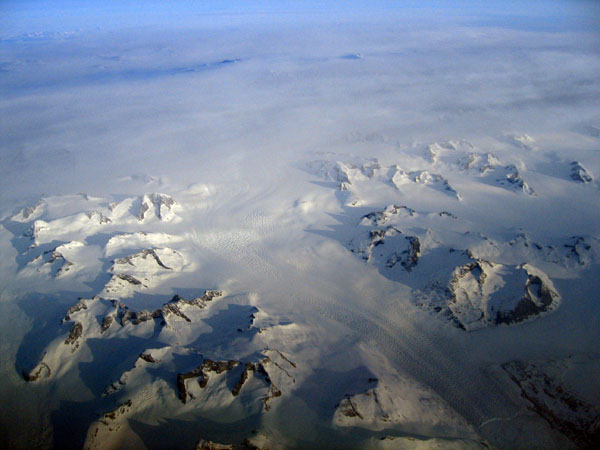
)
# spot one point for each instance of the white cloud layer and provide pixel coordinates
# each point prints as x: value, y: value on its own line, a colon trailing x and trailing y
x: 229, y: 108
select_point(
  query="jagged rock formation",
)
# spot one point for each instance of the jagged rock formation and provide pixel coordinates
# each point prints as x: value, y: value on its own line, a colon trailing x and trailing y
x: 140, y: 270
x: 257, y: 368
x: 580, y: 173
x: 161, y: 205
x: 40, y: 371
x: 256, y: 442
x: 575, y: 252
x: 341, y: 172
x: 106, y: 323
x: 79, y: 306
x: 489, y: 167
x: 562, y: 409
x: 84, y: 323
x: 64, y: 267
x: 396, y: 401
x: 348, y: 174
x: 522, y: 240
x: 98, y: 217
x: 146, y: 357
x: 73, y: 339
x: 486, y: 293
x: 391, y: 212
x: 101, y: 431
x: 480, y: 163
x: 139, y: 239
x: 174, y: 307
x: 136, y: 259
x: 389, y: 246
x: 578, y: 250
x: 447, y: 214
x: 348, y: 409
x: 512, y: 179
x: 434, y: 152
x: 30, y: 212
x: 201, y: 372
x: 400, y: 177
x: 121, y: 285
x: 56, y: 262
x: 210, y: 445
x: 481, y: 293
x: 538, y: 298
x: 420, y: 443
x: 118, y: 411
x: 34, y: 231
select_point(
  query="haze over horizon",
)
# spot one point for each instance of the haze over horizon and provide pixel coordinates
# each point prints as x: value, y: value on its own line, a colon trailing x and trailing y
x: 300, y: 224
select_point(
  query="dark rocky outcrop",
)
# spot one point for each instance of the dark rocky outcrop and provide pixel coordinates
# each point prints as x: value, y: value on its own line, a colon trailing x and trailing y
x: 59, y: 264
x: 137, y: 317
x: 26, y: 213
x: 512, y: 178
x: 447, y: 214
x: 348, y: 409
x: 580, y: 173
x: 79, y: 306
x: 409, y: 257
x: 74, y: 335
x: 144, y: 207
x: 201, y: 372
x: 106, y: 323
x: 563, y: 410
x: 396, y: 248
x: 98, y: 217
x: 210, y: 445
x: 118, y: 411
x: 480, y: 293
x: 173, y: 307
x: 129, y: 279
x: 209, y: 365
x: 538, y: 298
x: 380, y: 218
x: 42, y: 370
x: 480, y: 163
x: 434, y: 180
x: 162, y: 204
x: 577, y: 249
x: 147, y: 357
x: 144, y: 254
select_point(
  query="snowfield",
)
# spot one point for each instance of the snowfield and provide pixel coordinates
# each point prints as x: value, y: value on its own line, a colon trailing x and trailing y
x: 299, y: 242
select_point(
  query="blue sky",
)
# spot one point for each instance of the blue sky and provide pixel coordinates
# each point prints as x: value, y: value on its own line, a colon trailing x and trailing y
x: 25, y: 16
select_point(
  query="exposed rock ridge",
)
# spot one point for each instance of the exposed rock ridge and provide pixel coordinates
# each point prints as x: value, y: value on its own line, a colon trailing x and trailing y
x: 512, y: 178
x: 79, y: 306
x: 29, y: 212
x: 481, y: 293
x: 218, y: 367
x: 380, y: 218
x: 98, y: 216
x: 579, y: 173
x: 74, y: 337
x: 400, y: 177
x: 489, y: 165
x: 42, y: 370
x: 563, y: 410
x: 348, y: 409
x: 399, y: 248
x: 173, y: 307
x: 144, y: 254
x: 161, y: 204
